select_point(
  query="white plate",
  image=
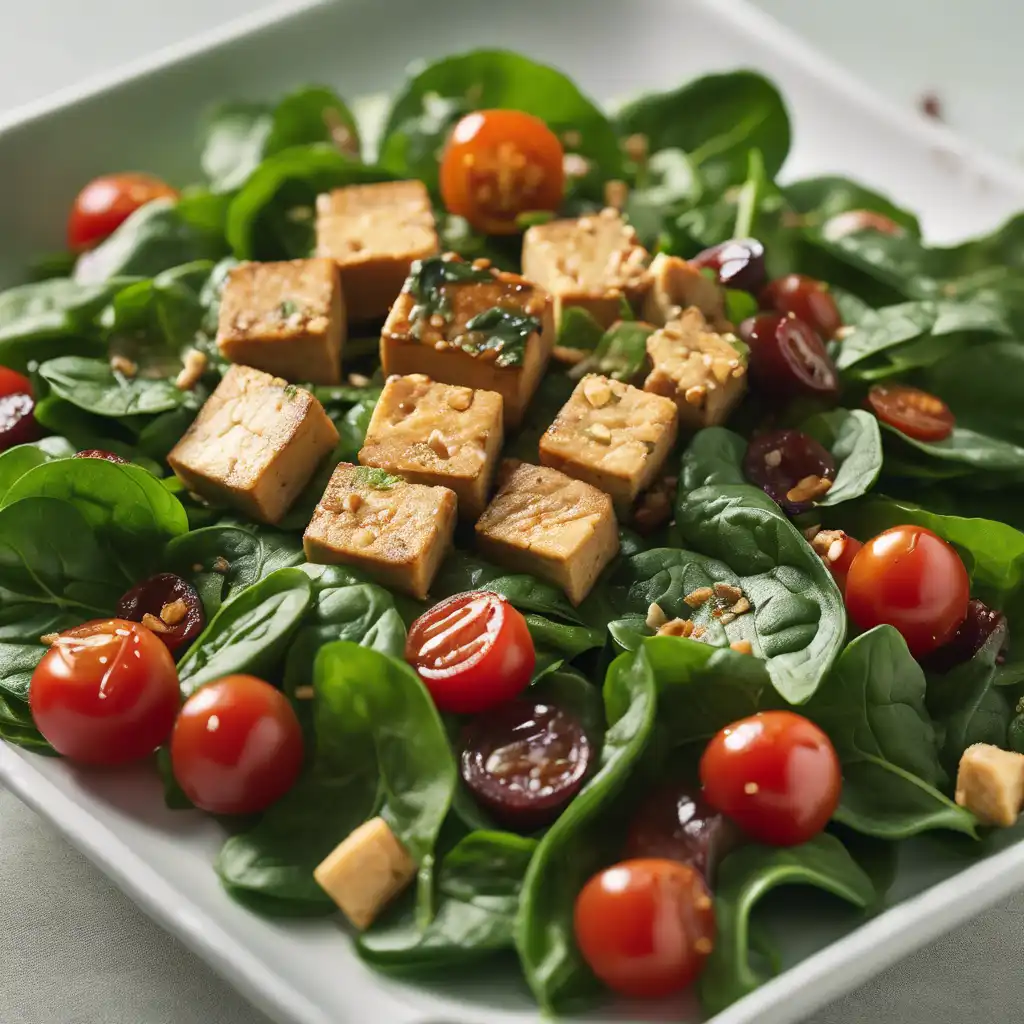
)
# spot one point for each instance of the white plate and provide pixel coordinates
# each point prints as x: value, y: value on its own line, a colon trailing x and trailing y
x: 307, y: 972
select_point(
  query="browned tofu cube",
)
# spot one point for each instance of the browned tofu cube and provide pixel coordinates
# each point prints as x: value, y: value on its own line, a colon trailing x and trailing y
x: 397, y: 532
x: 474, y: 326
x: 613, y: 436
x: 697, y: 368
x: 552, y: 526
x: 287, y: 319
x: 254, y: 445
x: 375, y: 233
x: 990, y: 784
x: 437, y: 434
x: 594, y: 262
x: 675, y: 286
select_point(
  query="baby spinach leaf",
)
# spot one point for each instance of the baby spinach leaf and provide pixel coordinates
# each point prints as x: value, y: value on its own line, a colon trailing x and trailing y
x: 250, y: 632
x: 716, y: 120
x: 478, y: 887
x: 578, y: 329
x: 92, y: 385
x: 17, y: 663
x: 314, y: 113
x: 233, y: 144
x: 17, y: 461
x: 822, y: 198
x: 668, y: 186
x: 855, y: 441
x: 748, y: 874
x: 622, y: 351
x: 964, y: 450
x: 570, y: 641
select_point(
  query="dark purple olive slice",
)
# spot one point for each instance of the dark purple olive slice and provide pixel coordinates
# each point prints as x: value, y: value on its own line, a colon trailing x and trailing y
x: 168, y: 605
x: 972, y: 634
x: 738, y: 263
x: 524, y: 761
x: 785, y: 464
x: 100, y: 453
x: 17, y: 420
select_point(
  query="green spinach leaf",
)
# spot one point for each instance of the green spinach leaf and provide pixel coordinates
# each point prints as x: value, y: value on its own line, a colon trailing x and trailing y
x: 855, y: 441
x: 92, y: 385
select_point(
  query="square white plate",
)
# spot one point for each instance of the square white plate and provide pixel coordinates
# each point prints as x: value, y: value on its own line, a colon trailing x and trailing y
x: 147, y: 116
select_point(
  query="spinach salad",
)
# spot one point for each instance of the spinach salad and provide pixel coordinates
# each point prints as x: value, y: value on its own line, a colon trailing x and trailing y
x: 544, y: 534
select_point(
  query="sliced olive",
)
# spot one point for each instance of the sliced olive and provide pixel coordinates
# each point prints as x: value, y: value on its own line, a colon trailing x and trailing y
x: 790, y: 467
x: 168, y: 605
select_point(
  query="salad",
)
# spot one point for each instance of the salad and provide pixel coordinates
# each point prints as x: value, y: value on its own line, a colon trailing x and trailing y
x: 540, y: 530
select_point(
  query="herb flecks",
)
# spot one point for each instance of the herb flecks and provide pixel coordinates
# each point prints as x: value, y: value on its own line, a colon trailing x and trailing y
x: 377, y: 479
x: 427, y: 280
x: 287, y: 308
x: 504, y: 332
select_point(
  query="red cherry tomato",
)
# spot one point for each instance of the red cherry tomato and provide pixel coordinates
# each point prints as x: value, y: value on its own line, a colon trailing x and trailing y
x: 105, y: 692
x: 645, y: 926
x: 106, y: 202
x: 912, y: 411
x: 499, y: 164
x: 472, y: 651
x: 806, y: 298
x: 913, y: 580
x: 13, y: 383
x: 237, y: 746
x: 776, y: 774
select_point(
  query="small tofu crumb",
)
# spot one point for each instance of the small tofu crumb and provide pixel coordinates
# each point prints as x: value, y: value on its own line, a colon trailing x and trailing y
x: 742, y: 647
x: 990, y: 784
x: 656, y: 617
x: 699, y: 596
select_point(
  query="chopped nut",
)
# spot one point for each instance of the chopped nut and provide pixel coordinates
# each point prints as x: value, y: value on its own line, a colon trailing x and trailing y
x: 575, y: 166
x: 358, y: 380
x: 773, y: 459
x: 699, y: 631
x: 481, y: 263
x: 742, y: 647
x: 174, y: 612
x: 616, y: 193
x: 810, y: 488
x: 49, y: 638
x: 438, y: 445
x: 304, y: 693
x: 153, y: 623
x: 699, y: 596
x: 597, y: 392
x: 695, y: 395
x: 362, y: 538
x: 572, y: 139
x: 124, y: 366
x: 193, y: 368
x: 727, y: 593
x: 725, y: 618
x: 676, y: 627
x: 637, y: 147
x: 221, y: 564
x: 351, y: 502
x: 460, y: 399
x: 600, y: 433
x: 829, y: 545
x: 811, y: 532
x: 197, y: 567
x: 741, y: 607
x: 844, y: 332
x: 656, y: 617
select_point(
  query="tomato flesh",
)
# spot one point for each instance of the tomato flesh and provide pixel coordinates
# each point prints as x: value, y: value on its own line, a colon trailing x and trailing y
x: 472, y: 651
x: 776, y: 774
x: 13, y: 383
x: 105, y: 692
x: 645, y: 926
x: 236, y: 746
x: 106, y: 202
x: 912, y: 411
x: 499, y: 164
x: 913, y: 580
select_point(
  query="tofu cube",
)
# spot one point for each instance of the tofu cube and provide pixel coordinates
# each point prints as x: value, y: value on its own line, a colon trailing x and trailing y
x: 472, y: 326
x: 375, y: 233
x: 611, y: 435
x: 697, y: 368
x: 286, y: 318
x: 366, y: 872
x: 552, y: 526
x: 675, y: 286
x: 397, y: 532
x: 990, y: 784
x: 593, y: 262
x: 439, y: 435
x: 255, y: 444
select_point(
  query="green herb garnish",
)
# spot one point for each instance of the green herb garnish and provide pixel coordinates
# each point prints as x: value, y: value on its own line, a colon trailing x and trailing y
x: 287, y: 308
x: 505, y: 331
x: 427, y: 279
x: 378, y: 479
x: 290, y: 391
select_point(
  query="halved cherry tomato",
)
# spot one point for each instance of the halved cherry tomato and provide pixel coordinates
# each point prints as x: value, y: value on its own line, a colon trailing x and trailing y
x: 912, y: 411
x: 105, y: 692
x: 776, y: 774
x: 645, y: 926
x: 13, y: 383
x: 913, y: 580
x: 499, y: 164
x: 236, y: 746
x: 106, y: 202
x: 472, y: 651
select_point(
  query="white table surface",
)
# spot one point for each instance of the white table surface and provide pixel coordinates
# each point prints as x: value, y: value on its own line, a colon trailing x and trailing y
x: 73, y: 950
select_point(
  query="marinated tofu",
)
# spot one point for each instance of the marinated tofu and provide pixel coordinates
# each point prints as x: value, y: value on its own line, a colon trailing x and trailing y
x: 550, y: 525
x: 675, y: 286
x: 697, y: 368
x: 254, y: 445
x: 471, y: 325
x: 990, y: 784
x: 594, y: 262
x: 396, y: 531
x: 439, y: 435
x: 611, y: 435
x: 375, y: 233
x: 286, y: 318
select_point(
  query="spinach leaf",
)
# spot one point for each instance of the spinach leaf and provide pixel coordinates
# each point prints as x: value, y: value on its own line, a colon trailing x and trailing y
x: 744, y: 877
x: 819, y: 199
x: 431, y: 102
x: 622, y: 351
x: 855, y: 441
x: 872, y: 705
x: 92, y: 385
x: 17, y: 461
x: 568, y: 640
x: 579, y: 330
x: 579, y: 842
x: 964, y: 451
x: 17, y: 663
x: 478, y: 887
x: 668, y: 185
x: 250, y: 632
x: 716, y: 120
x: 233, y: 144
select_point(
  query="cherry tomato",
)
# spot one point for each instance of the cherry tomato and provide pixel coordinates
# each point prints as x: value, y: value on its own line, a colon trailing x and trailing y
x: 853, y: 221
x: 106, y: 202
x: 776, y: 774
x: 499, y: 164
x: 913, y: 580
x: 912, y: 411
x: 645, y: 926
x: 166, y: 604
x: 236, y: 746
x: 13, y: 383
x: 105, y: 692
x: 738, y: 263
x: 805, y: 297
x: 100, y: 453
x: 472, y: 651
x: 17, y: 420
x: 788, y: 359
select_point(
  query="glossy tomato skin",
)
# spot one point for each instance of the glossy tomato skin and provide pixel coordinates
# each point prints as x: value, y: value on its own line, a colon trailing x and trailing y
x: 805, y: 297
x: 776, y: 774
x: 913, y: 580
x: 13, y: 383
x: 645, y: 927
x: 911, y: 411
x: 472, y: 651
x: 236, y: 746
x: 106, y: 202
x: 106, y: 692
x: 499, y: 164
